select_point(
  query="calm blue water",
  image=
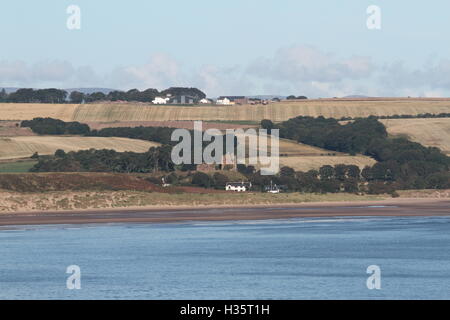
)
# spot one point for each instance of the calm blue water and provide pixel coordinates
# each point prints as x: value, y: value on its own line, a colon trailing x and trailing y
x: 289, y: 259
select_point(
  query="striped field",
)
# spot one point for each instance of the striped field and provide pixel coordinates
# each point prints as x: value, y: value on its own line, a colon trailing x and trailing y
x: 302, y: 157
x: 26, y: 146
x: 335, y: 108
x: 429, y: 132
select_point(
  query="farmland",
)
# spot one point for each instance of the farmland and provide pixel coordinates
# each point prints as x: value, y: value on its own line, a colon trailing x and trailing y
x: 336, y: 108
x: 12, y: 129
x: 292, y: 148
x: 429, y: 132
x: 16, y: 166
x: 189, y: 125
x: 25, y: 146
x: 302, y: 157
x: 308, y: 162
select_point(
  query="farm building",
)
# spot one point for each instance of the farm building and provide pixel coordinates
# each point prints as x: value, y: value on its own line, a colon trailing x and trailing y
x: 230, y: 100
x: 205, y: 101
x: 160, y: 100
x: 224, y: 101
x: 182, y: 99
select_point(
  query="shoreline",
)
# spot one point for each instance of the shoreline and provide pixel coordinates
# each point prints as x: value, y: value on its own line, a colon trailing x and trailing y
x: 403, y: 207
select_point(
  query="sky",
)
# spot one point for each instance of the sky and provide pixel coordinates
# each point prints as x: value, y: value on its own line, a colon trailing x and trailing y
x: 320, y: 48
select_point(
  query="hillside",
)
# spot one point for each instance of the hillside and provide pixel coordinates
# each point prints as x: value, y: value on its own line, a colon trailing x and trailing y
x: 335, y: 108
x: 302, y: 157
x: 429, y: 132
x: 25, y: 146
x: 45, y: 182
x: 306, y: 163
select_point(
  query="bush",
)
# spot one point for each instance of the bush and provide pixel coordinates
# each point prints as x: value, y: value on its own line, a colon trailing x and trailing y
x: 55, y: 127
x: 220, y: 180
x: 202, y: 180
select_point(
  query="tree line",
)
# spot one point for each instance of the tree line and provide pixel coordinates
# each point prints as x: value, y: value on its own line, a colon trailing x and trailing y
x: 401, y: 163
x: 292, y: 97
x: 50, y: 126
x: 26, y: 95
x: 154, y: 160
x: 34, y: 96
x: 406, y: 116
x: 328, y: 133
x: 85, y: 161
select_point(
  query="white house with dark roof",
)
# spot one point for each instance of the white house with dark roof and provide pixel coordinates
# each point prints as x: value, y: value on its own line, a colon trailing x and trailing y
x: 224, y: 101
x: 238, y: 186
x: 230, y: 100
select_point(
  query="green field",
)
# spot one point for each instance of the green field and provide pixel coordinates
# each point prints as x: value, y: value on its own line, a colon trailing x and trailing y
x: 17, y: 166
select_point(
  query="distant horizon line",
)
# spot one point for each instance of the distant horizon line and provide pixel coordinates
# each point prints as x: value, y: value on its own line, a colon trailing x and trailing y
x: 350, y: 97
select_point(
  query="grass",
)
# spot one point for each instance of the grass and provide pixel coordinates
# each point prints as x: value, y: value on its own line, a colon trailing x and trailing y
x: 335, y: 108
x: 17, y: 166
x: 120, y: 199
x: 292, y: 148
x: 25, y: 146
x: 246, y: 198
x: 74, y: 181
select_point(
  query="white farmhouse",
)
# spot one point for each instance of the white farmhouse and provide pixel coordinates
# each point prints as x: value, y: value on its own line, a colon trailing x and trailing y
x: 205, y: 101
x: 224, y: 101
x: 238, y: 186
x: 160, y: 100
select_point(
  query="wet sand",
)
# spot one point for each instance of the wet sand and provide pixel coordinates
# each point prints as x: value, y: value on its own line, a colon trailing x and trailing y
x: 393, y: 207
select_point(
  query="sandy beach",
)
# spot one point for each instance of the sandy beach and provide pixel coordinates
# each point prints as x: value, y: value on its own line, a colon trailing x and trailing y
x: 177, y: 214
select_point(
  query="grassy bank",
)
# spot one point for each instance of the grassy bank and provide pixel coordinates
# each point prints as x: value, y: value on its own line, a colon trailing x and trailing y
x: 17, y: 166
x: 47, y: 182
x: 11, y: 201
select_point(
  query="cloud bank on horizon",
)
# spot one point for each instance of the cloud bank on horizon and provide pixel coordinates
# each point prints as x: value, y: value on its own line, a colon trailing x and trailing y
x: 297, y: 70
x: 317, y: 49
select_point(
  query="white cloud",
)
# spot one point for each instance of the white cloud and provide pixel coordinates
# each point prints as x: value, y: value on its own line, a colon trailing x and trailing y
x: 161, y: 71
x: 309, y: 71
x: 51, y: 71
x: 299, y: 70
x: 55, y: 73
x: 307, y: 64
x: 218, y: 81
x: 13, y: 72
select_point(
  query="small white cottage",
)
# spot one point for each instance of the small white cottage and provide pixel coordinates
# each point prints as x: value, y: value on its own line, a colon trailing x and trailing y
x: 160, y: 100
x: 238, y: 186
x: 224, y: 101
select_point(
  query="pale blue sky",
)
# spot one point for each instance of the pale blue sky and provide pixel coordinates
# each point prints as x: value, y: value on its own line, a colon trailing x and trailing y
x: 230, y: 47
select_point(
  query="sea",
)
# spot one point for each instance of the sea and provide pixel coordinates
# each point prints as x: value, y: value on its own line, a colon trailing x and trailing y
x: 368, y: 258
